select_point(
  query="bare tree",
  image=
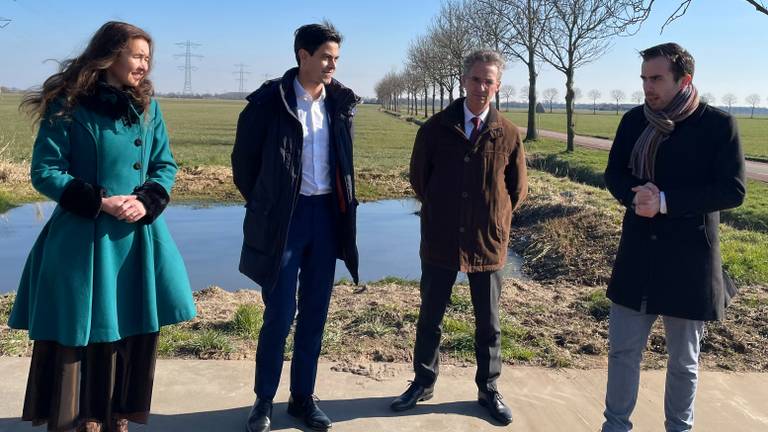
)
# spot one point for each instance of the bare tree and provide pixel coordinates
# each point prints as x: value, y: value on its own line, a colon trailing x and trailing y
x: 754, y: 100
x: 638, y: 97
x: 576, y: 94
x: 729, y: 99
x: 421, y: 62
x: 490, y: 31
x: 708, y: 98
x: 455, y: 38
x: 579, y: 33
x: 528, y: 22
x: 507, y: 91
x: 618, y: 96
x: 594, y: 94
x: 549, y: 95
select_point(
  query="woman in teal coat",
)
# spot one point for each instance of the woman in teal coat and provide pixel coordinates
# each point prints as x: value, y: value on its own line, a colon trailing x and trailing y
x: 104, y: 274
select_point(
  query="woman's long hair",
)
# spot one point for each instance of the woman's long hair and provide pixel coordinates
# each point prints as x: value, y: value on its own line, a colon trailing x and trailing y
x: 78, y: 76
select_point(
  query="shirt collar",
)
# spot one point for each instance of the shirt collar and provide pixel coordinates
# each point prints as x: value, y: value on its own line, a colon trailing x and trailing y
x: 468, y: 114
x: 301, y: 93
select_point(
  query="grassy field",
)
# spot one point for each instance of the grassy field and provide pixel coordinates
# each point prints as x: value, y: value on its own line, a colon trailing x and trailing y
x: 754, y: 132
x: 202, y: 133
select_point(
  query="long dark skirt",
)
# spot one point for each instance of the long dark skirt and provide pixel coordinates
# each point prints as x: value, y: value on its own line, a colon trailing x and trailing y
x: 99, y: 382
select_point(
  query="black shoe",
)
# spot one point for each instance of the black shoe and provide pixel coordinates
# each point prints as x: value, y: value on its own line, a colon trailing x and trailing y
x: 260, y: 418
x: 496, y: 407
x: 415, y: 393
x: 307, y: 410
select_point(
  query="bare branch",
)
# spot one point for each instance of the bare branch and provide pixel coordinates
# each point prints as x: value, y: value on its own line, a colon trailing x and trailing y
x: 758, y: 6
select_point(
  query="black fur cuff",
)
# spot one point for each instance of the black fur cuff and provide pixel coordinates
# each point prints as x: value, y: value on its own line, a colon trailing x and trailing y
x: 82, y: 199
x: 155, y: 199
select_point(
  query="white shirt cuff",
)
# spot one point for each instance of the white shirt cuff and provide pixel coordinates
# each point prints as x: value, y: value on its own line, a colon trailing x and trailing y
x: 662, y: 203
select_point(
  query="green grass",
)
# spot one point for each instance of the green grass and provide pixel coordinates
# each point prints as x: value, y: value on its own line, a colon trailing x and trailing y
x: 377, y: 321
x: 175, y: 340
x: 395, y: 280
x: 597, y: 304
x: 753, y: 132
x: 745, y: 255
x: 248, y: 320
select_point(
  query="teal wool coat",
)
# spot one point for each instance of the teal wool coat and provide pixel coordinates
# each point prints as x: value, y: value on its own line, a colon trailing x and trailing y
x: 100, y: 279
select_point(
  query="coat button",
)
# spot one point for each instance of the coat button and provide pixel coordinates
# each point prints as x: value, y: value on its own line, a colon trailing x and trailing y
x: 464, y: 195
x: 137, y: 166
x: 461, y: 229
x: 137, y: 143
x: 466, y: 158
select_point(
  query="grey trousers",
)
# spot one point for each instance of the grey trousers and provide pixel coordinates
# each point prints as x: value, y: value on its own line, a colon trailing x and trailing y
x: 628, y: 334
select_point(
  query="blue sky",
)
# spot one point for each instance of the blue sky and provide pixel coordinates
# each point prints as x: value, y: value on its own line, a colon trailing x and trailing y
x: 728, y: 42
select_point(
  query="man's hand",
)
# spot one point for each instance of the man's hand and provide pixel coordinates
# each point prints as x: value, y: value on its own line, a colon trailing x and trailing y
x: 647, y: 202
x: 124, y: 207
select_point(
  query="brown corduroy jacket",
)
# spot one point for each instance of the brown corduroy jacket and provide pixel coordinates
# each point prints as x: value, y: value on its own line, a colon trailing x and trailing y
x: 468, y: 191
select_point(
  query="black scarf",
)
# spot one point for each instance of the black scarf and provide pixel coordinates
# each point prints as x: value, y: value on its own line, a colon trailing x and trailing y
x: 113, y: 102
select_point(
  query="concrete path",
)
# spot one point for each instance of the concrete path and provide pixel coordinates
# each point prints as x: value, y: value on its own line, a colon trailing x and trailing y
x: 216, y: 396
x: 755, y: 170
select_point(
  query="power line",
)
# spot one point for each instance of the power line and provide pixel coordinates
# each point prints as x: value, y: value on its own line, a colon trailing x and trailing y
x: 241, y: 79
x: 188, y: 68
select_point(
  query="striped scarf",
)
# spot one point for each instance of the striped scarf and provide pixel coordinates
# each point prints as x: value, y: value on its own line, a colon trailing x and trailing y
x: 661, y: 124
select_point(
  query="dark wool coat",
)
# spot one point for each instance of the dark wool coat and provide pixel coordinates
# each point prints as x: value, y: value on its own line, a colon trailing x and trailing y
x: 468, y: 191
x: 673, y: 260
x: 266, y: 166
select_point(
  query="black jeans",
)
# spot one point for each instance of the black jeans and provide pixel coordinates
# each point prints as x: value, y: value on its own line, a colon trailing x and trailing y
x: 436, y: 286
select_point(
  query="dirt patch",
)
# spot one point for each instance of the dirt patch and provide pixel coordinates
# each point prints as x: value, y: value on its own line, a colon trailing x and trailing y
x: 562, y: 237
x: 205, y: 183
x: 372, y: 185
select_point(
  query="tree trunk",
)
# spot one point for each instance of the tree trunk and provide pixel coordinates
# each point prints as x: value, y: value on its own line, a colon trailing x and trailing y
x: 433, y: 98
x: 569, y: 96
x: 442, y: 96
x: 531, y: 134
x: 498, y: 103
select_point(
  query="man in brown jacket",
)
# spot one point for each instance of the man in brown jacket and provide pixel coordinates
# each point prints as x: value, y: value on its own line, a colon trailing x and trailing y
x: 468, y: 170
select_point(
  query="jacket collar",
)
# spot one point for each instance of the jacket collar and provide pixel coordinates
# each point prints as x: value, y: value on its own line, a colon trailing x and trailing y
x: 454, y: 118
x: 339, y: 99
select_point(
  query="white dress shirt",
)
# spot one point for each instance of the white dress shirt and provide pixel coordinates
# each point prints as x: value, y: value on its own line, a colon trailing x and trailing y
x: 315, y: 157
x: 468, y: 125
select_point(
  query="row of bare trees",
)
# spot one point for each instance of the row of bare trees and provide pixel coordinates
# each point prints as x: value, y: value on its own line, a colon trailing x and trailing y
x: 565, y: 34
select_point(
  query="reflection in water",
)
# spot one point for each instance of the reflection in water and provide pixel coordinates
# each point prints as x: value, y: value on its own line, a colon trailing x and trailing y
x: 210, y: 239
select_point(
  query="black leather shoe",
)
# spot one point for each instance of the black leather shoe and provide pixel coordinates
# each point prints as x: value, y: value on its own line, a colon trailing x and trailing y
x: 307, y: 410
x: 260, y: 418
x: 496, y: 407
x: 415, y: 393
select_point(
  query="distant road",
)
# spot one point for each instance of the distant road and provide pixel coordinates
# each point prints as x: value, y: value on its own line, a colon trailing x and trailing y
x: 755, y: 170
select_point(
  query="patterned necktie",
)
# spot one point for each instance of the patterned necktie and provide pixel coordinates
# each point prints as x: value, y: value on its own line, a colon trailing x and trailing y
x: 475, y: 130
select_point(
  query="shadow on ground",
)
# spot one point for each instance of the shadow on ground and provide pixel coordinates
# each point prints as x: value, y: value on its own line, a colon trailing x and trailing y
x: 339, y: 411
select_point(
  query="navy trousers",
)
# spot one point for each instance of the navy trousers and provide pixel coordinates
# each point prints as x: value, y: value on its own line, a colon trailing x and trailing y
x: 309, y: 259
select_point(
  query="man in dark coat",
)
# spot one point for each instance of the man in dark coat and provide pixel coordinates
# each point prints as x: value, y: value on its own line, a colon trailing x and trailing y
x: 468, y: 170
x: 675, y: 163
x: 292, y: 162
